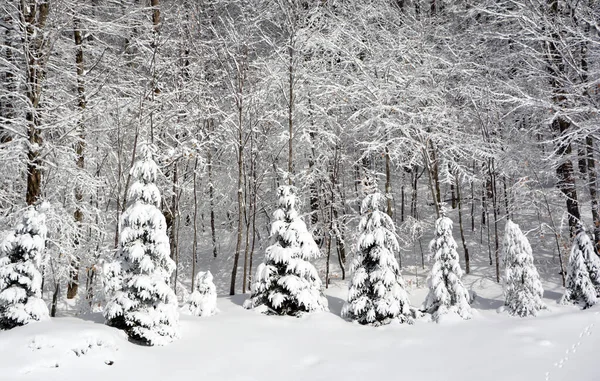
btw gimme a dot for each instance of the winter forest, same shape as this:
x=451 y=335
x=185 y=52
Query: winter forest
x=307 y=188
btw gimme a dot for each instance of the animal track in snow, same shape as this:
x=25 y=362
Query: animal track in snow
x=587 y=331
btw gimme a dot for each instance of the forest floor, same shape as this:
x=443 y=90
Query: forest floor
x=562 y=343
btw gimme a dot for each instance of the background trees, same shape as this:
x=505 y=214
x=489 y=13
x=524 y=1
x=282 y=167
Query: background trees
x=490 y=106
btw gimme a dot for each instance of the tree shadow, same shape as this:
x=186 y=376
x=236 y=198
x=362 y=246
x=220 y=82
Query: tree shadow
x=553 y=295
x=238 y=299
x=481 y=303
x=94 y=317
x=335 y=305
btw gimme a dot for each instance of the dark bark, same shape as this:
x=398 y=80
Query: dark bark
x=73 y=285
x=195 y=223
x=388 y=182
x=211 y=191
x=241 y=76
x=7 y=104
x=33 y=15
x=462 y=231
x=290 y=109
x=593 y=188
x=560 y=126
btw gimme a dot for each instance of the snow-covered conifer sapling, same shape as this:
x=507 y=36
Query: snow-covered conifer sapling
x=21 y=255
x=447 y=294
x=583 y=272
x=376 y=293
x=286 y=282
x=203 y=301
x=142 y=302
x=523 y=289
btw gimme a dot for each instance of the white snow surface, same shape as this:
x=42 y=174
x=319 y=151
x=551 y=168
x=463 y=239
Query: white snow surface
x=562 y=343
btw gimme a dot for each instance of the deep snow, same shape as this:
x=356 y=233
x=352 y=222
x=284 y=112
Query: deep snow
x=237 y=344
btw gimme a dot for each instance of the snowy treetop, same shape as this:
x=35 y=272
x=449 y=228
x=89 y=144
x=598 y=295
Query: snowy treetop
x=289 y=227
x=144 y=172
x=29 y=235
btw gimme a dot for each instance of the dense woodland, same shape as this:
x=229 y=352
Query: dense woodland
x=488 y=106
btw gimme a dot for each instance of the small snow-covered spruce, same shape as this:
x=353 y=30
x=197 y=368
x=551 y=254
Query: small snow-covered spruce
x=21 y=254
x=142 y=302
x=376 y=292
x=583 y=272
x=203 y=301
x=447 y=294
x=522 y=286
x=287 y=283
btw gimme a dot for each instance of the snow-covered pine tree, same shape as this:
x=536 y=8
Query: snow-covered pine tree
x=522 y=286
x=203 y=301
x=286 y=282
x=144 y=305
x=446 y=294
x=376 y=292
x=583 y=272
x=21 y=254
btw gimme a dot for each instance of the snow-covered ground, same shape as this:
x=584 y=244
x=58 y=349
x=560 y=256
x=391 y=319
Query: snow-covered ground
x=561 y=344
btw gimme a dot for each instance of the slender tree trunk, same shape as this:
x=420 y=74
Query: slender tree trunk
x=248 y=212
x=506 y=198
x=211 y=191
x=255 y=212
x=496 y=212
x=388 y=182
x=402 y=197
x=73 y=285
x=174 y=209
x=240 y=184
x=473 y=202
x=485 y=217
x=414 y=191
x=462 y=231
x=313 y=186
x=54 y=300
x=436 y=175
x=432 y=173
x=195 y=240
x=338 y=228
x=290 y=109
x=453 y=196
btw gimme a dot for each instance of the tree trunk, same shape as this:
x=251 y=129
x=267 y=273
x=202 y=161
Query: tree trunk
x=589 y=148
x=173 y=211
x=593 y=187
x=211 y=192
x=7 y=105
x=195 y=240
x=436 y=175
x=462 y=231
x=560 y=126
x=388 y=182
x=566 y=176
x=248 y=212
x=290 y=110
x=314 y=186
x=255 y=212
x=432 y=173
x=33 y=16
x=73 y=285
x=240 y=199
x=54 y=300
x=494 y=197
